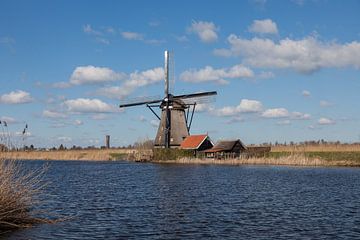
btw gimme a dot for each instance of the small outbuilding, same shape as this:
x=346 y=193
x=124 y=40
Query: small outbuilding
x=226 y=149
x=197 y=143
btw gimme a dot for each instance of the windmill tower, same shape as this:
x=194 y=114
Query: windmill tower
x=175 y=120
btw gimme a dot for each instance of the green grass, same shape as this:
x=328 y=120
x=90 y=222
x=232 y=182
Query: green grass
x=327 y=156
x=119 y=156
x=171 y=154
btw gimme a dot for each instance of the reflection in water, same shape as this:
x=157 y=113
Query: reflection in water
x=120 y=200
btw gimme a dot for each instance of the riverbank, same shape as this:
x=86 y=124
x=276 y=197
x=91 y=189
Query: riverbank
x=84 y=155
x=285 y=160
x=298 y=156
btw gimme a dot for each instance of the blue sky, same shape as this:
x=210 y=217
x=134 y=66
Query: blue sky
x=284 y=70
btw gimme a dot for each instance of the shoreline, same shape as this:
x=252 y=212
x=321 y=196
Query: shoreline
x=326 y=159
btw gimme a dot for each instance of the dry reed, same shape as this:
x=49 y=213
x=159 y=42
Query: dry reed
x=317 y=148
x=296 y=159
x=19 y=192
x=85 y=154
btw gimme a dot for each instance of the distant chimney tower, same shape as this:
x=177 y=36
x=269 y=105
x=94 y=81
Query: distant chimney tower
x=107 y=141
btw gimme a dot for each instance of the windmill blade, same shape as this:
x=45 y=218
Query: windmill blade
x=199 y=100
x=194 y=95
x=204 y=97
x=141 y=101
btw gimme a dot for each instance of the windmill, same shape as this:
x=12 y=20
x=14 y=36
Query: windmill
x=175 y=119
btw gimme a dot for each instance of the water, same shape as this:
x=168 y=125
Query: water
x=120 y=200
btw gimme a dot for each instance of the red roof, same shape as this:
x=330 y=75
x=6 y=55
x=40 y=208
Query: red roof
x=193 y=141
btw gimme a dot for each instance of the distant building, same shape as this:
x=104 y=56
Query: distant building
x=197 y=143
x=226 y=149
x=107 y=141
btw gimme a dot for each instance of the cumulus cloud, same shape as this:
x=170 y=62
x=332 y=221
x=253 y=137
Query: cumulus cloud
x=284 y=113
x=206 y=31
x=16 y=97
x=275 y=113
x=306 y=93
x=209 y=74
x=245 y=106
x=94 y=75
x=305 y=55
x=326 y=121
x=85 y=105
x=266 y=26
x=53 y=114
x=135 y=80
x=132 y=36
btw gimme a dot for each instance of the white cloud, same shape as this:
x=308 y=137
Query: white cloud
x=300 y=116
x=132 y=36
x=209 y=74
x=8 y=119
x=206 y=31
x=53 y=114
x=326 y=121
x=324 y=103
x=84 y=105
x=249 y=106
x=89 y=30
x=306 y=93
x=136 y=80
x=93 y=75
x=245 y=106
x=16 y=97
x=276 y=113
x=264 y=26
x=305 y=56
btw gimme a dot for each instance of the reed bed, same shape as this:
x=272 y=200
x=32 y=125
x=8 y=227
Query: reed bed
x=297 y=159
x=317 y=148
x=86 y=155
x=19 y=191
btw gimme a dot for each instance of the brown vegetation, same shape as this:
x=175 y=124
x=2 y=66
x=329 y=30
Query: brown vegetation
x=18 y=195
x=317 y=148
x=296 y=159
x=84 y=154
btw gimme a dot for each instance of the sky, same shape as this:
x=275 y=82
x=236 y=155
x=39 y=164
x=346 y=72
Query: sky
x=284 y=70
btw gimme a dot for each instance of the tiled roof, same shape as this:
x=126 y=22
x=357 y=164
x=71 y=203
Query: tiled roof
x=193 y=141
x=225 y=146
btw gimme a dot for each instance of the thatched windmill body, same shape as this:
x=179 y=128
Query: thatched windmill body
x=176 y=112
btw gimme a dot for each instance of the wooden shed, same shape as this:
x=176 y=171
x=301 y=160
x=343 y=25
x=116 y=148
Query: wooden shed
x=197 y=143
x=226 y=149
